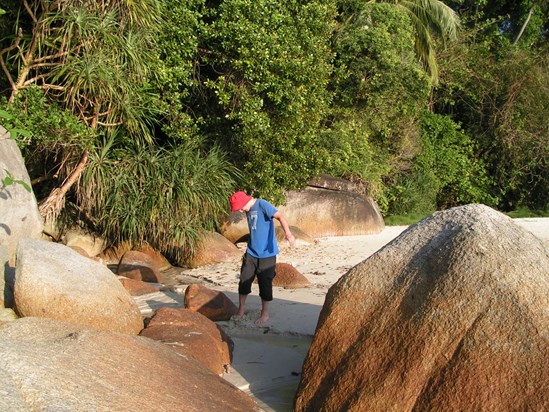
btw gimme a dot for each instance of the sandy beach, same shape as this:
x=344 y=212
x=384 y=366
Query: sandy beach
x=267 y=359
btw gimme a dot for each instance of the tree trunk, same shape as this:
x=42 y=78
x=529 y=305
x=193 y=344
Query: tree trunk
x=524 y=25
x=50 y=208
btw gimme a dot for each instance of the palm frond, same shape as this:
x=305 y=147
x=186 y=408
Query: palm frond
x=163 y=197
x=430 y=17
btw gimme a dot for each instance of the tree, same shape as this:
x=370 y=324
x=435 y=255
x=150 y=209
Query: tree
x=263 y=70
x=498 y=94
x=429 y=17
x=379 y=90
x=523 y=23
x=88 y=57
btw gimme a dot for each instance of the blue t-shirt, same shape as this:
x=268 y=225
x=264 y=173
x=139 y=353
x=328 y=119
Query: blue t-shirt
x=262 y=242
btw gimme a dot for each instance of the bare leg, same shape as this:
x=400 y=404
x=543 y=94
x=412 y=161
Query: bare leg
x=264 y=317
x=241 y=303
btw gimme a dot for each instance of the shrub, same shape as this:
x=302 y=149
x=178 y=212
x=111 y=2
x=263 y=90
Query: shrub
x=165 y=197
x=445 y=172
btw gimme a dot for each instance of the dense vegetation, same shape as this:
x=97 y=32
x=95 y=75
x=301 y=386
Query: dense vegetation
x=142 y=116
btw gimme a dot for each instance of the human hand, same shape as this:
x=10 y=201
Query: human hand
x=291 y=239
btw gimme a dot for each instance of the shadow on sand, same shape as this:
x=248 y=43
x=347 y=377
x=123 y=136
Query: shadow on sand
x=267 y=359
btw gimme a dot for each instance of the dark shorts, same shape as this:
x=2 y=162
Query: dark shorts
x=264 y=269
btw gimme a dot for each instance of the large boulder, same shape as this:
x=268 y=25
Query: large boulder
x=452 y=315
x=324 y=212
x=54 y=281
x=49 y=365
x=19 y=215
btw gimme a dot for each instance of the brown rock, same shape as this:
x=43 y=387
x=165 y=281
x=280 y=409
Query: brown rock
x=113 y=255
x=158 y=259
x=288 y=277
x=452 y=315
x=192 y=334
x=139 y=266
x=213 y=304
x=331 y=208
x=323 y=212
x=214 y=248
x=137 y=287
x=50 y=365
x=53 y=281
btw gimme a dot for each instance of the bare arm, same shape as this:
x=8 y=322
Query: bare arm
x=284 y=223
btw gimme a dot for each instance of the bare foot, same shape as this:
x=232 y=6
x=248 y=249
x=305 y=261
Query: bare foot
x=262 y=319
x=240 y=312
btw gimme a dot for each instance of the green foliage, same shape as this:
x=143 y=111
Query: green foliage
x=445 y=172
x=90 y=58
x=48 y=127
x=13 y=131
x=524 y=213
x=429 y=19
x=501 y=101
x=9 y=180
x=379 y=89
x=54 y=138
x=165 y=197
x=174 y=71
x=509 y=18
x=286 y=90
x=403 y=220
x=265 y=75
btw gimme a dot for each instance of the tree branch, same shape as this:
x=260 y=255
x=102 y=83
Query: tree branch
x=524 y=25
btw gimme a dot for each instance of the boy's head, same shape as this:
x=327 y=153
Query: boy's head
x=239 y=200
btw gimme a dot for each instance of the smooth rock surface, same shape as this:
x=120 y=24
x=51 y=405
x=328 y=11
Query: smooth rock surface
x=53 y=281
x=19 y=215
x=214 y=248
x=213 y=304
x=318 y=212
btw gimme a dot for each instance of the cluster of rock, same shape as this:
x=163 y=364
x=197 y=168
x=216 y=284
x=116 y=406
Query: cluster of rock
x=52 y=365
x=78 y=323
x=73 y=337
x=452 y=315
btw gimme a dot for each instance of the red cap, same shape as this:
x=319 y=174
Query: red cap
x=239 y=200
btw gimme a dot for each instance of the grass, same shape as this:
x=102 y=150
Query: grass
x=407 y=220
x=523 y=212
x=403 y=220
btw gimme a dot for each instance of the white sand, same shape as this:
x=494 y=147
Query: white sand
x=270 y=356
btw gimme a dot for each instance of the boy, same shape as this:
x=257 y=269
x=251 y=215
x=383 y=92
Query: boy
x=260 y=257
